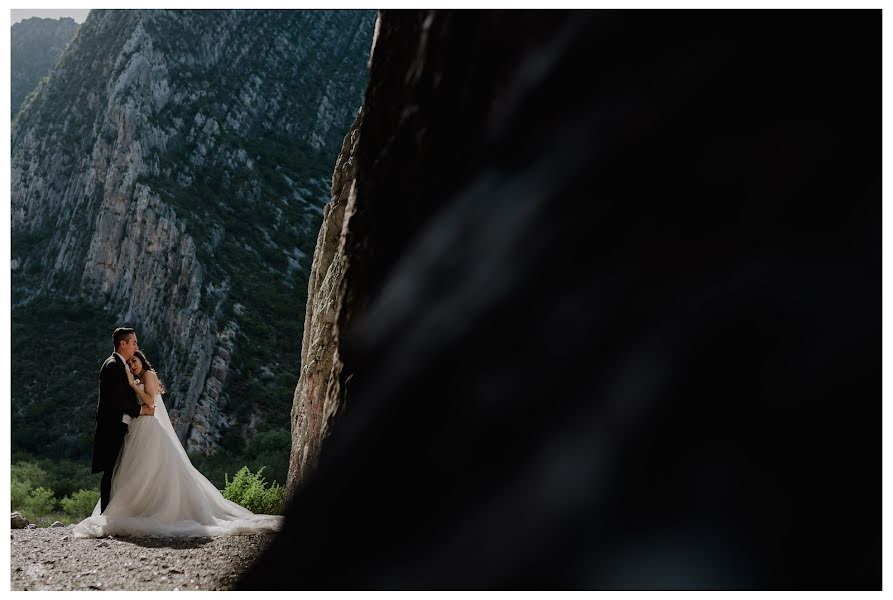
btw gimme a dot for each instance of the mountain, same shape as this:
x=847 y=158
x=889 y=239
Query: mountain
x=35 y=46
x=170 y=174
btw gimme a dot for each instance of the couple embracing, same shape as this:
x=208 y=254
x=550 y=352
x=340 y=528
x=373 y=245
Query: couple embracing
x=149 y=486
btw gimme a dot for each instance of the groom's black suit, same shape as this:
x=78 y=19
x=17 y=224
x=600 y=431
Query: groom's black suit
x=116 y=398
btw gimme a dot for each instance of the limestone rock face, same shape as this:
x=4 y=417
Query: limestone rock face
x=316 y=396
x=172 y=170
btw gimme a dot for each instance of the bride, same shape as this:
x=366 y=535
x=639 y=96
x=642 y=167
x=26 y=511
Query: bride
x=155 y=489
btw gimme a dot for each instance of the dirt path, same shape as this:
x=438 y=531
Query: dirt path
x=51 y=559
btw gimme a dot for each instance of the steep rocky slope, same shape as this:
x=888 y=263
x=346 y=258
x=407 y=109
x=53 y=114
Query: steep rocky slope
x=315 y=402
x=172 y=170
x=35 y=46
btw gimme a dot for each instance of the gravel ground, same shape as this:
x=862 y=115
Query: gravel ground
x=52 y=559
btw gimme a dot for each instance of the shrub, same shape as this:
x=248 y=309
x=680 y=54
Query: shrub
x=272 y=450
x=269 y=441
x=63 y=476
x=250 y=490
x=29 y=474
x=66 y=477
x=28 y=493
x=81 y=503
x=18 y=494
x=37 y=503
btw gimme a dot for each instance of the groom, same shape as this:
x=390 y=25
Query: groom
x=117 y=405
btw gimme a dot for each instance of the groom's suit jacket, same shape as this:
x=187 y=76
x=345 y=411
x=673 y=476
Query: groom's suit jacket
x=116 y=398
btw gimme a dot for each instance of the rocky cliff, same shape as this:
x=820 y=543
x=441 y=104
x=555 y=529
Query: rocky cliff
x=35 y=46
x=172 y=170
x=317 y=397
x=597 y=305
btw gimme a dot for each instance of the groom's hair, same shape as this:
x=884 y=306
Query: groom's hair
x=121 y=333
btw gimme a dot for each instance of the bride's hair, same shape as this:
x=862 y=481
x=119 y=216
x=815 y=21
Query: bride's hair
x=147 y=366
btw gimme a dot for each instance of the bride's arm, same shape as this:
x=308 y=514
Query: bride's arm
x=152 y=385
x=148 y=396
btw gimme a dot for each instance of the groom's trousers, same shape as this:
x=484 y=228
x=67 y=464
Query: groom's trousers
x=105 y=485
x=105 y=489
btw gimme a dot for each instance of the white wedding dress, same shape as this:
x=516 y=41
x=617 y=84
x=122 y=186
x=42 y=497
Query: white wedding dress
x=157 y=492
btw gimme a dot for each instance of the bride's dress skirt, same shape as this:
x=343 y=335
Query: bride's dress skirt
x=157 y=492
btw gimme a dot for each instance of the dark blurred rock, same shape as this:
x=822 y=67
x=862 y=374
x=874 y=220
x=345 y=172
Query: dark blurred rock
x=611 y=309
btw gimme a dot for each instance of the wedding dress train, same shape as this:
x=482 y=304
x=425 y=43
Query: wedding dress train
x=157 y=492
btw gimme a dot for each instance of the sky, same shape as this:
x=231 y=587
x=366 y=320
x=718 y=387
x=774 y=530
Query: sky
x=77 y=14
